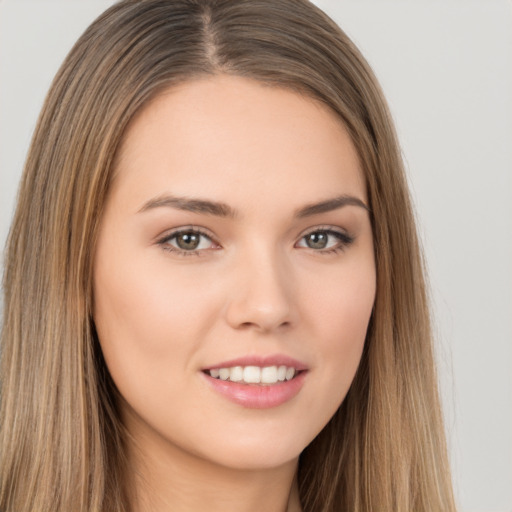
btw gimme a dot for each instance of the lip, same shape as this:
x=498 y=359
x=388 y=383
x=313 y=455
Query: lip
x=262 y=361
x=258 y=396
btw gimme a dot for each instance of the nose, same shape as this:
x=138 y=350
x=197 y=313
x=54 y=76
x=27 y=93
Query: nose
x=261 y=297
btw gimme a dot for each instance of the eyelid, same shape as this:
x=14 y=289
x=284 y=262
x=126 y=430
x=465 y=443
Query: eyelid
x=327 y=228
x=164 y=239
x=345 y=239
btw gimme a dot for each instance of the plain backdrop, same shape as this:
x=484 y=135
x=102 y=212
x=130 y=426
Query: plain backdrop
x=446 y=70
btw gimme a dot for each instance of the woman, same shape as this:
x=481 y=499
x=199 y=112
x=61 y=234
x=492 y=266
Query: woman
x=214 y=292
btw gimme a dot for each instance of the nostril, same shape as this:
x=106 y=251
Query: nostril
x=264 y=306
x=263 y=326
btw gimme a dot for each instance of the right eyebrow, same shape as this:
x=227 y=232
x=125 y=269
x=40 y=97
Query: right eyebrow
x=190 y=205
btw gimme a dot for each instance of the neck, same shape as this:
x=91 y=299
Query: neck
x=166 y=478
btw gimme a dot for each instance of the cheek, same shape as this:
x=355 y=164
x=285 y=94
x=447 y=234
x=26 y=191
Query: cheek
x=146 y=332
x=139 y=303
x=341 y=315
x=144 y=325
x=344 y=304
x=346 y=318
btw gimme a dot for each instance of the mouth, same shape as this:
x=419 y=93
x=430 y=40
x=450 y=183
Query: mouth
x=258 y=382
x=264 y=376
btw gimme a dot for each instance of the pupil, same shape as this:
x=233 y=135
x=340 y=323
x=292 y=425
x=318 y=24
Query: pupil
x=317 y=240
x=188 y=241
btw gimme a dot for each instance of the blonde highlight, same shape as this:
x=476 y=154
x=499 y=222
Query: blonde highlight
x=61 y=439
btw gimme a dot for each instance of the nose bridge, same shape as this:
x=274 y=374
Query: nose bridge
x=262 y=295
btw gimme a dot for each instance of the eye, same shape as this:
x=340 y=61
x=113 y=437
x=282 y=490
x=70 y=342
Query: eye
x=325 y=240
x=187 y=241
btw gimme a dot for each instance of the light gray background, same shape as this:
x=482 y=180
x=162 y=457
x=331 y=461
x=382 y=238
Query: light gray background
x=445 y=67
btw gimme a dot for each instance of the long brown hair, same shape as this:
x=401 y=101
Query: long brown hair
x=61 y=441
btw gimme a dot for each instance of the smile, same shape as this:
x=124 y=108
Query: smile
x=266 y=375
x=257 y=382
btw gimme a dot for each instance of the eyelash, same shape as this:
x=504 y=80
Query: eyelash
x=164 y=242
x=344 y=241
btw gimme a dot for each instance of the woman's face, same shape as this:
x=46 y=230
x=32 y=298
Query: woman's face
x=235 y=251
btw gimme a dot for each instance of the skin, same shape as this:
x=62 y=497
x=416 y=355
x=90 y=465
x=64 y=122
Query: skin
x=254 y=287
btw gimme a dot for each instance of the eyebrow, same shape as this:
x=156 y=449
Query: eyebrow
x=329 y=205
x=220 y=209
x=190 y=205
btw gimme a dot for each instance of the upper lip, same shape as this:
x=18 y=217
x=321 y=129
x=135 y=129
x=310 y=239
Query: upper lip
x=262 y=361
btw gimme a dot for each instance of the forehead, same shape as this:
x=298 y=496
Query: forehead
x=230 y=137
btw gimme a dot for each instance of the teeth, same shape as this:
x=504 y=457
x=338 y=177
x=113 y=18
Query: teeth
x=281 y=373
x=224 y=373
x=290 y=372
x=269 y=375
x=254 y=374
x=236 y=374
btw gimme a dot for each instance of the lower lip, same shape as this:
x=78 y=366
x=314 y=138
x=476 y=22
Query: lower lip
x=256 y=396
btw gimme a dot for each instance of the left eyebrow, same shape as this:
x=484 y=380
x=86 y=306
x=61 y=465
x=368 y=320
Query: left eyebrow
x=329 y=205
